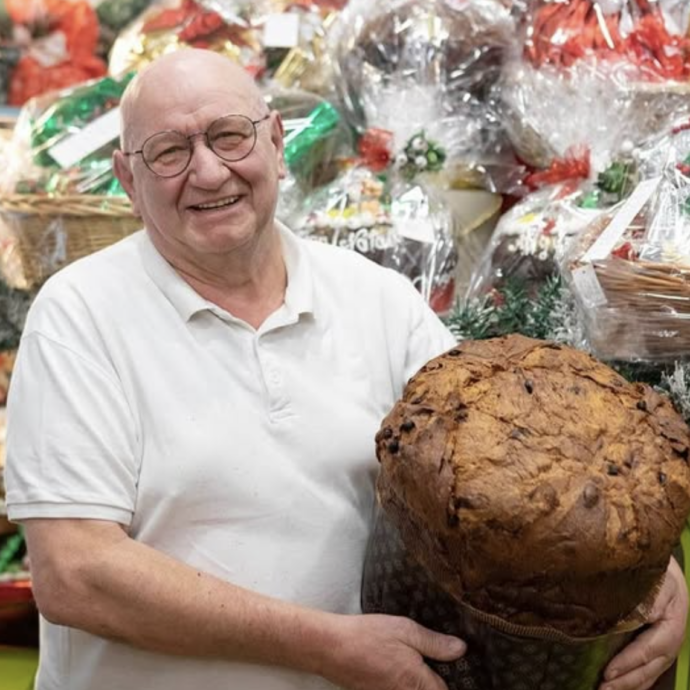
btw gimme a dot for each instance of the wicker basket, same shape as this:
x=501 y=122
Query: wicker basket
x=51 y=232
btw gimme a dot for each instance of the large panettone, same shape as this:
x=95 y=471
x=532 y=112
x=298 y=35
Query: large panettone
x=535 y=483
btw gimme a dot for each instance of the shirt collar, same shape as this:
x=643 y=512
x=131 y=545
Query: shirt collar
x=299 y=295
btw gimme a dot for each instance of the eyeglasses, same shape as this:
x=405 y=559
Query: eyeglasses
x=168 y=153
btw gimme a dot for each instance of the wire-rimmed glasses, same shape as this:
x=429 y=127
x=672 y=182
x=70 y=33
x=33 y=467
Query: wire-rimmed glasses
x=168 y=153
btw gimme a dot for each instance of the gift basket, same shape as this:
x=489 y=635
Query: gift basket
x=586 y=60
x=629 y=270
x=531 y=239
x=408 y=66
x=270 y=38
x=59 y=197
x=224 y=26
x=316 y=141
x=389 y=217
x=504 y=519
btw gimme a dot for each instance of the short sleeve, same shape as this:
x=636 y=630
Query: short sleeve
x=71 y=438
x=429 y=339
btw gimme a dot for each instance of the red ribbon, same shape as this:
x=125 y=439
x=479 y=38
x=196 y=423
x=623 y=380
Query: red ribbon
x=375 y=148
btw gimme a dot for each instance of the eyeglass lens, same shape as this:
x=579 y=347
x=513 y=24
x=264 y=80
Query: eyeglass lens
x=231 y=138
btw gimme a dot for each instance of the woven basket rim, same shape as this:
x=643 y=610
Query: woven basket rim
x=66 y=205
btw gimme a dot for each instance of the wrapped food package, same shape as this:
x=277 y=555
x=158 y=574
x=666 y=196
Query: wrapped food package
x=60 y=199
x=57 y=42
x=429 y=67
x=316 y=140
x=224 y=26
x=285 y=39
x=398 y=224
x=629 y=269
x=113 y=16
x=621 y=66
x=531 y=239
x=296 y=38
x=505 y=518
x=48 y=158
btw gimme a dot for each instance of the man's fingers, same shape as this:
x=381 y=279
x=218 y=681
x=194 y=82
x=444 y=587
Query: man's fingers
x=652 y=645
x=641 y=678
x=438 y=646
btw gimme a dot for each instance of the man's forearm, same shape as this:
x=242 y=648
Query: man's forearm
x=121 y=589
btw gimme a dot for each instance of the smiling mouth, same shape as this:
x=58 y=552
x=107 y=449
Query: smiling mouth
x=230 y=201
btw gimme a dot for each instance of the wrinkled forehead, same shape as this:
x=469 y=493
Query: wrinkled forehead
x=186 y=102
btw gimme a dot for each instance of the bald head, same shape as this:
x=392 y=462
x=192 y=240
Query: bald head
x=185 y=80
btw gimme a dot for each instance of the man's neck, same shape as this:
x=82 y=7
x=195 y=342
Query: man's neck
x=249 y=283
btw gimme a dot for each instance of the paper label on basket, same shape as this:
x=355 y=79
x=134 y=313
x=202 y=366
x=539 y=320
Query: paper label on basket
x=281 y=30
x=588 y=287
x=96 y=134
x=419 y=229
x=621 y=221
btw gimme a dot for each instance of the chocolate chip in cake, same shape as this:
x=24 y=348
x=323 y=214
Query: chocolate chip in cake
x=461 y=412
x=387 y=432
x=417 y=400
x=642 y=405
x=612 y=470
x=393 y=447
x=455 y=353
x=529 y=386
x=662 y=478
x=407 y=425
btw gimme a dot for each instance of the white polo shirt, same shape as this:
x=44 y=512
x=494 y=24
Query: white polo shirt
x=245 y=453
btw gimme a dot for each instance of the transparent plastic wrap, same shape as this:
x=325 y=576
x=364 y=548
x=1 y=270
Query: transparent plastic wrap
x=435 y=64
x=59 y=197
x=296 y=37
x=316 y=139
x=398 y=224
x=51 y=154
x=224 y=26
x=531 y=239
x=113 y=16
x=269 y=38
x=584 y=61
x=630 y=271
x=57 y=43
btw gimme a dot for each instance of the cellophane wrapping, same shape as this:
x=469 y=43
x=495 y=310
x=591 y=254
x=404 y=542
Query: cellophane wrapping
x=59 y=199
x=620 y=66
x=410 y=66
x=285 y=40
x=396 y=223
x=630 y=270
x=532 y=238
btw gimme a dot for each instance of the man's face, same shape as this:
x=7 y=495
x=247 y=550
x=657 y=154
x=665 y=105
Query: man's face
x=214 y=206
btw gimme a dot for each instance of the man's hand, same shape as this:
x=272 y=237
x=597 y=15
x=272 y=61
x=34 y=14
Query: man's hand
x=378 y=652
x=641 y=663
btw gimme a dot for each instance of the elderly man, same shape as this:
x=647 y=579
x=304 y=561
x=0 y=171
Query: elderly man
x=192 y=421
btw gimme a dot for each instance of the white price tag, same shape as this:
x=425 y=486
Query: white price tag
x=588 y=287
x=609 y=238
x=281 y=30
x=419 y=229
x=96 y=134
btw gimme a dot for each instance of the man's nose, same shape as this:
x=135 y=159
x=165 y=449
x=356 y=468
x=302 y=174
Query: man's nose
x=204 y=163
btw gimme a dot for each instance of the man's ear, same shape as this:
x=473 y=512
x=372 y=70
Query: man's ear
x=277 y=137
x=123 y=172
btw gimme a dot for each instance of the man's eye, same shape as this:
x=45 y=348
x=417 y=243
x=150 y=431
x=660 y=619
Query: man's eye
x=228 y=139
x=170 y=152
